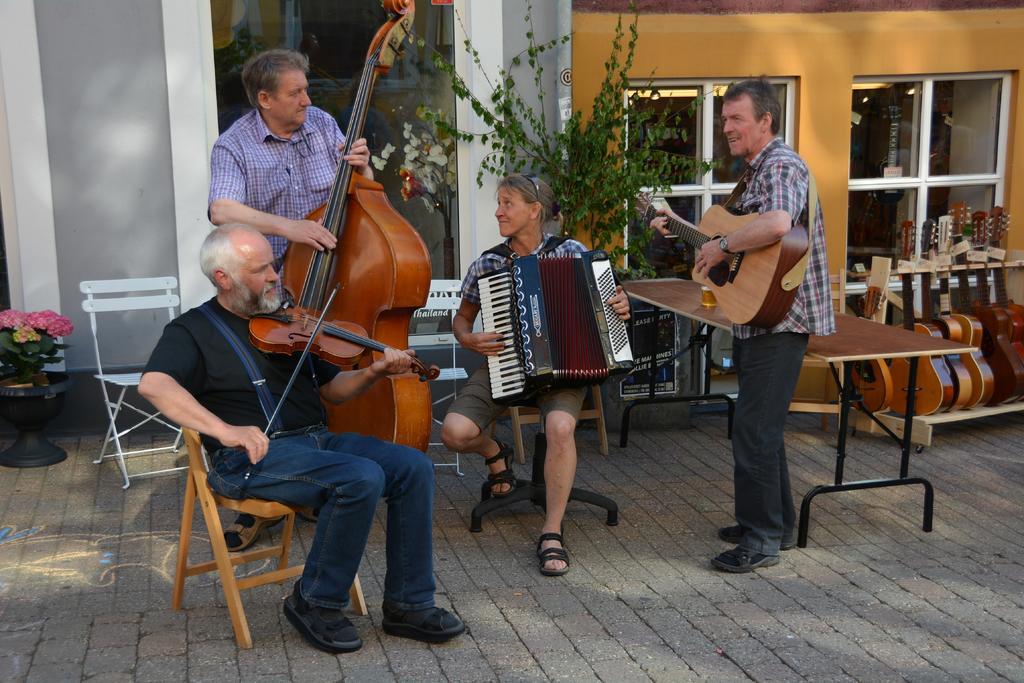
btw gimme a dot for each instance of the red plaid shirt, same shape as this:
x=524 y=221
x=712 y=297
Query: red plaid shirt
x=779 y=182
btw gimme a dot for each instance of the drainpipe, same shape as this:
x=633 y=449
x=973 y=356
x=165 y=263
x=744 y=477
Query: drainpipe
x=564 y=63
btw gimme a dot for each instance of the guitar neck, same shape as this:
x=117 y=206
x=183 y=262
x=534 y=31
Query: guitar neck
x=999 y=275
x=680 y=229
x=963 y=291
x=907 y=296
x=983 y=287
x=927 y=312
x=945 y=303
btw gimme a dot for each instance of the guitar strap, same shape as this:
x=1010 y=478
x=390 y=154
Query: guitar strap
x=551 y=242
x=795 y=275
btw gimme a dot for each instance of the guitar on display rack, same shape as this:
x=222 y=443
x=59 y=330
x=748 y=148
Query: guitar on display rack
x=963 y=327
x=872 y=377
x=957 y=370
x=934 y=384
x=755 y=287
x=1004 y=359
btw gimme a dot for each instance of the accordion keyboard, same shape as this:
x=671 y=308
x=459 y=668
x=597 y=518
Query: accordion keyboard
x=507 y=376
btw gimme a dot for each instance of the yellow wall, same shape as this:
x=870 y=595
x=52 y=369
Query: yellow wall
x=824 y=52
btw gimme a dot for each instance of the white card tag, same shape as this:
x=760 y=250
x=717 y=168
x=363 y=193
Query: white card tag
x=997 y=253
x=945 y=260
x=977 y=256
x=961 y=247
x=904 y=266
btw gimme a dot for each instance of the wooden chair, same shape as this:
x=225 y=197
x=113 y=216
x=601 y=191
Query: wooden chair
x=524 y=415
x=224 y=562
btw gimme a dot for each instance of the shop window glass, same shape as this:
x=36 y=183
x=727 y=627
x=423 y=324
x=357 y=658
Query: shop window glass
x=884 y=130
x=956 y=120
x=965 y=126
x=336 y=36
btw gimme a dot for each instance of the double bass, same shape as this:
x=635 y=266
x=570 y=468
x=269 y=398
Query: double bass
x=380 y=263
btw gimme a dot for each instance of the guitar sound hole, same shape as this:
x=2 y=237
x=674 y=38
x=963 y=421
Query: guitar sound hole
x=719 y=273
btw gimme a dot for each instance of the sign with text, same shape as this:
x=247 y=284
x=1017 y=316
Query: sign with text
x=664 y=349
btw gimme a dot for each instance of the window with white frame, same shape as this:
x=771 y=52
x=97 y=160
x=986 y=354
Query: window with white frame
x=918 y=145
x=695 y=109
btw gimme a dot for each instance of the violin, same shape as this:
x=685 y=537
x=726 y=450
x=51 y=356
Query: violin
x=339 y=343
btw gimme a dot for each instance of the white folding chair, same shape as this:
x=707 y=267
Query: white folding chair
x=445 y=296
x=96 y=302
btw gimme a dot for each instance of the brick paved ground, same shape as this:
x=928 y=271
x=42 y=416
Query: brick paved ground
x=85 y=573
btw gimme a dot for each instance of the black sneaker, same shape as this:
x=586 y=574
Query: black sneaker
x=740 y=560
x=431 y=625
x=734 y=534
x=325 y=629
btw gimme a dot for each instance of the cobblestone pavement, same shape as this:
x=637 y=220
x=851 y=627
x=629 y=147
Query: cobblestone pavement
x=85 y=576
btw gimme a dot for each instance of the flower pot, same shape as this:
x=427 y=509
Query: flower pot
x=29 y=409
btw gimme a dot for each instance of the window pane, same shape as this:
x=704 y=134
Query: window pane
x=965 y=126
x=874 y=224
x=977 y=198
x=681 y=108
x=336 y=39
x=883 y=130
x=730 y=169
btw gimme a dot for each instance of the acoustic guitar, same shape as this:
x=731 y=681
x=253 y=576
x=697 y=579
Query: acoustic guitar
x=872 y=377
x=1006 y=363
x=997 y=225
x=957 y=370
x=755 y=287
x=934 y=389
x=966 y=329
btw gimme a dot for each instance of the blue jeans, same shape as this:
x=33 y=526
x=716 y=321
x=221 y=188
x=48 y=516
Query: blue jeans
x=344 y=475
x=768 y=366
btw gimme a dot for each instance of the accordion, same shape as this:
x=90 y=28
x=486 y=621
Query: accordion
x=558 y=330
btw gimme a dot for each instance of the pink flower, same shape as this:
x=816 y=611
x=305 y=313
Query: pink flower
x=11 y=319
x=25 y=334
x=50 y=322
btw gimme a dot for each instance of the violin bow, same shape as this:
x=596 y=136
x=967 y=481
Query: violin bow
x=305 y=352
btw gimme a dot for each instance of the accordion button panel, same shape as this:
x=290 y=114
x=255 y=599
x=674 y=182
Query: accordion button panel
x=605 y=280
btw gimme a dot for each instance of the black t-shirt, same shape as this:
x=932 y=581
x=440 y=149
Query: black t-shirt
x=199 y=358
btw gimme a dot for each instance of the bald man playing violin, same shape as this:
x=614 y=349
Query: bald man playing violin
x=205 y=374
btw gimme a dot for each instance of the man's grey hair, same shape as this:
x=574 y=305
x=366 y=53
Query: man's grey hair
x=218 y=251
x=762 y=96
x=263 y=71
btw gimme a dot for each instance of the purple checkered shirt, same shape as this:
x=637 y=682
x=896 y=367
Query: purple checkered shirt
x=283 y=177
x=485 y=264
x=779 y=182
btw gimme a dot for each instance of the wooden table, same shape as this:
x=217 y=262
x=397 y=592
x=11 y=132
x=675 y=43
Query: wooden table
x=855 y=339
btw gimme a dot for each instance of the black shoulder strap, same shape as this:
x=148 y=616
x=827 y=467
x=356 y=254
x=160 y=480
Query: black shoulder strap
x=551 y=242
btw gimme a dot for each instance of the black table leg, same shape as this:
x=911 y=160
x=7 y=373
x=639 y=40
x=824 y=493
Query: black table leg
x=846 y=394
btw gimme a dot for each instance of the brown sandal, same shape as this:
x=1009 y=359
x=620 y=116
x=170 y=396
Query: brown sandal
x=504 y=477
x=240 y=535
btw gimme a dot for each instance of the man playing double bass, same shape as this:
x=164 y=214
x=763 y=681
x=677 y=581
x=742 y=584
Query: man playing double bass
x=276 y=164
x=270 y=170
x=198 y=377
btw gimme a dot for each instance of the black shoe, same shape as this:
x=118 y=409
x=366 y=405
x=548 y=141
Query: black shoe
x=431 y=625
x=734 y=534
x=740 y=560
x=325 y=629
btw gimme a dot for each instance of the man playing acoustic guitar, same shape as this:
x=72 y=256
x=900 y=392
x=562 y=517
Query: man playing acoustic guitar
x=775 y=186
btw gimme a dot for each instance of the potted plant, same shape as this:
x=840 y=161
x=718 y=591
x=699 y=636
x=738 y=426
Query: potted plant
x=30 y=396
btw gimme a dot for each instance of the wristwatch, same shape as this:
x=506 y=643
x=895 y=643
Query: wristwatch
x=723 y=244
